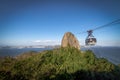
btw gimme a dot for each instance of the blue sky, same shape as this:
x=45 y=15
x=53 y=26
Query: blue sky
x=37 y=22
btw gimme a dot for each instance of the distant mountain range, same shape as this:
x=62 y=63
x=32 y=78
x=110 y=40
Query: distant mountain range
x=31 y=46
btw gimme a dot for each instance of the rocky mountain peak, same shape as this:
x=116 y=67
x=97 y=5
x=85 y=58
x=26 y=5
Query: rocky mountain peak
x=69 y=40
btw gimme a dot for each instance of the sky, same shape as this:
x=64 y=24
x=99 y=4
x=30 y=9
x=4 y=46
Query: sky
x=44 y=22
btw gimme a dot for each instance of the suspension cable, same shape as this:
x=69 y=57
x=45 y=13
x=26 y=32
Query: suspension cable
x=109 y=24
x=106 y=25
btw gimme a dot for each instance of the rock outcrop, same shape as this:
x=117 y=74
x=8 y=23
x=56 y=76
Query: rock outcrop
x=69 y=40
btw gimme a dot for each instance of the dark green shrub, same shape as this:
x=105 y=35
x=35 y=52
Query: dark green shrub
x=59 y=64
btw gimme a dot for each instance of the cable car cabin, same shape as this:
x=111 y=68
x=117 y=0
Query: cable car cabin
x=90 y=40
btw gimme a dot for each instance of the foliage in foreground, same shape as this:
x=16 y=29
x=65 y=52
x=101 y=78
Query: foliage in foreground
x=59 y=64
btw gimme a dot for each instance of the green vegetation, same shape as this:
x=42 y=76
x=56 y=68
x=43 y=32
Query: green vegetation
x=58 y=64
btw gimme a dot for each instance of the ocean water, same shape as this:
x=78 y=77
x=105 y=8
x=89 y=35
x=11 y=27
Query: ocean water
x=110 y=53
x=15 y=51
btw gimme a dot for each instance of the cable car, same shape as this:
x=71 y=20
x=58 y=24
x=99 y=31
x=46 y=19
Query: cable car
x=90 y=40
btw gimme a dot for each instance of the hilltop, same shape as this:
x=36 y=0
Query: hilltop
x=59 y=64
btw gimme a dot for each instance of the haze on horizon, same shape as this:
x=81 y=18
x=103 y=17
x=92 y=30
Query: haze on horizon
x=44 y=22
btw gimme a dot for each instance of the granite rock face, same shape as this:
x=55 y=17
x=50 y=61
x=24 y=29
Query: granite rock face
x=69 y=40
